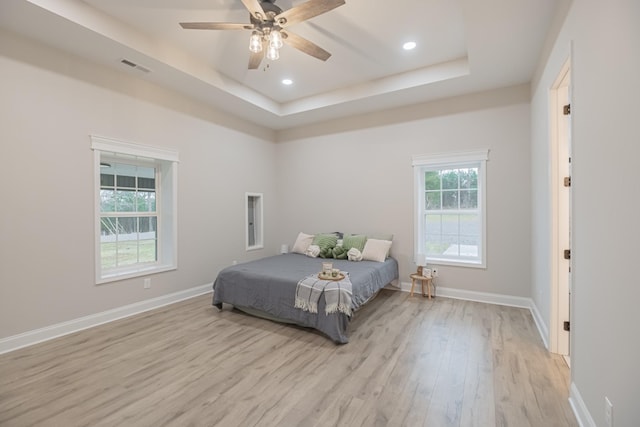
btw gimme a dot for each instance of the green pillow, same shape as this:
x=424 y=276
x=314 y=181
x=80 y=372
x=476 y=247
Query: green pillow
x=326 y=253
x=339 y=252
x=326 y=242
x=354 y=241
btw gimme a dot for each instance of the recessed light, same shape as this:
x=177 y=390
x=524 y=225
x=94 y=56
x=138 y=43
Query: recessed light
x=287 y=82
x=409 y=45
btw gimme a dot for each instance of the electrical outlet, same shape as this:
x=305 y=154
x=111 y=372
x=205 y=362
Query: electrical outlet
x=608 y=412
x=147 y=283
x=434 y=272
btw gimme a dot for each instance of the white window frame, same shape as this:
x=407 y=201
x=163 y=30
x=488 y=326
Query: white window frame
x=426 y=162
x=166 y=163
x=258 y=229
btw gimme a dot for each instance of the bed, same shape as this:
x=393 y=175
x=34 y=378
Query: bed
x=267 y=287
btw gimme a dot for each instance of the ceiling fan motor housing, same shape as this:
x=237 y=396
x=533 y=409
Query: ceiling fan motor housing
x=266 y=23
x=270 y=9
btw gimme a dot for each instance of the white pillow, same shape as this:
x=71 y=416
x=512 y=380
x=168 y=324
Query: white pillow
x=302 y=243
x=376 y=250
x=313 y=251
x=354 y=255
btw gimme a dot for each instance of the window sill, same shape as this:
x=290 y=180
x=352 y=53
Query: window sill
x=130 y=274
x=468 y=264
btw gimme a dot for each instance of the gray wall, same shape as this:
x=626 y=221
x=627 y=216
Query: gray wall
x=606 y=145
x=53 y=101
x=355 y=176
x=50 y=104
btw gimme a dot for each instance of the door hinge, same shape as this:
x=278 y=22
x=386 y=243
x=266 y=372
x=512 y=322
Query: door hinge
x=567 y=254
x=567 y=181
x=566 y=326
x=566 y=110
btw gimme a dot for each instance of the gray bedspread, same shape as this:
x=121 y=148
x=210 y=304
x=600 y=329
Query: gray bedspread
x=268 y=285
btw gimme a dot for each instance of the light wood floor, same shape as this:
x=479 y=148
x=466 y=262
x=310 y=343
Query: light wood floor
x=410 y=362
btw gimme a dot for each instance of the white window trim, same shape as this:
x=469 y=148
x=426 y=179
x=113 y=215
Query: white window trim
x=258 y=221
x=111 y=145
x=443 y=160
x=167 y=202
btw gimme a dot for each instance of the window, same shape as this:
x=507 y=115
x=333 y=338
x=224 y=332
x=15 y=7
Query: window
x=253 y=216
x=450 y=208
x=135 y=208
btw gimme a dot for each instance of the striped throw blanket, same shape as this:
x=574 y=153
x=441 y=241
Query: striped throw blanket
x=337 y=294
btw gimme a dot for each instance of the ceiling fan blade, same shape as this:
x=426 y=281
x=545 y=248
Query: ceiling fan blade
x=215 y=26
x=305 y=46
x=255 y=9
x=306 y=11
x=255 y=59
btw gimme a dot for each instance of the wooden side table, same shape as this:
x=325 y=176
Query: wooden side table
x=424 y=280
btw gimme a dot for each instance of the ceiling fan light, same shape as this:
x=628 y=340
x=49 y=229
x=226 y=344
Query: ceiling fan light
x=275 y=39
x=255 y=43
x=272 y=53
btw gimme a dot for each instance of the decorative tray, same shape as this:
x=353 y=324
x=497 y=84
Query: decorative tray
x=330 y=277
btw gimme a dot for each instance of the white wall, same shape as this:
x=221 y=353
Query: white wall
x=50 y=103
x=355 y=176
x=606 y=145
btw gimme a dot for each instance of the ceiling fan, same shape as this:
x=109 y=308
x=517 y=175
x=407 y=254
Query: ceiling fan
x=269 y=25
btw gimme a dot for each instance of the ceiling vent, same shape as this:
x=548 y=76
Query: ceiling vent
x=134 y=65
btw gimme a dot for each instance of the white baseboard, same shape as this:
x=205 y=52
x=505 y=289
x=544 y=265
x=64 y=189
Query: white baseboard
x=54 y=331
x=543 y=330
x=486 y=297
x=579 y=408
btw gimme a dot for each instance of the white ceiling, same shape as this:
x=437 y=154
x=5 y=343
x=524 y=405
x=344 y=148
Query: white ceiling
x=463 y=46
